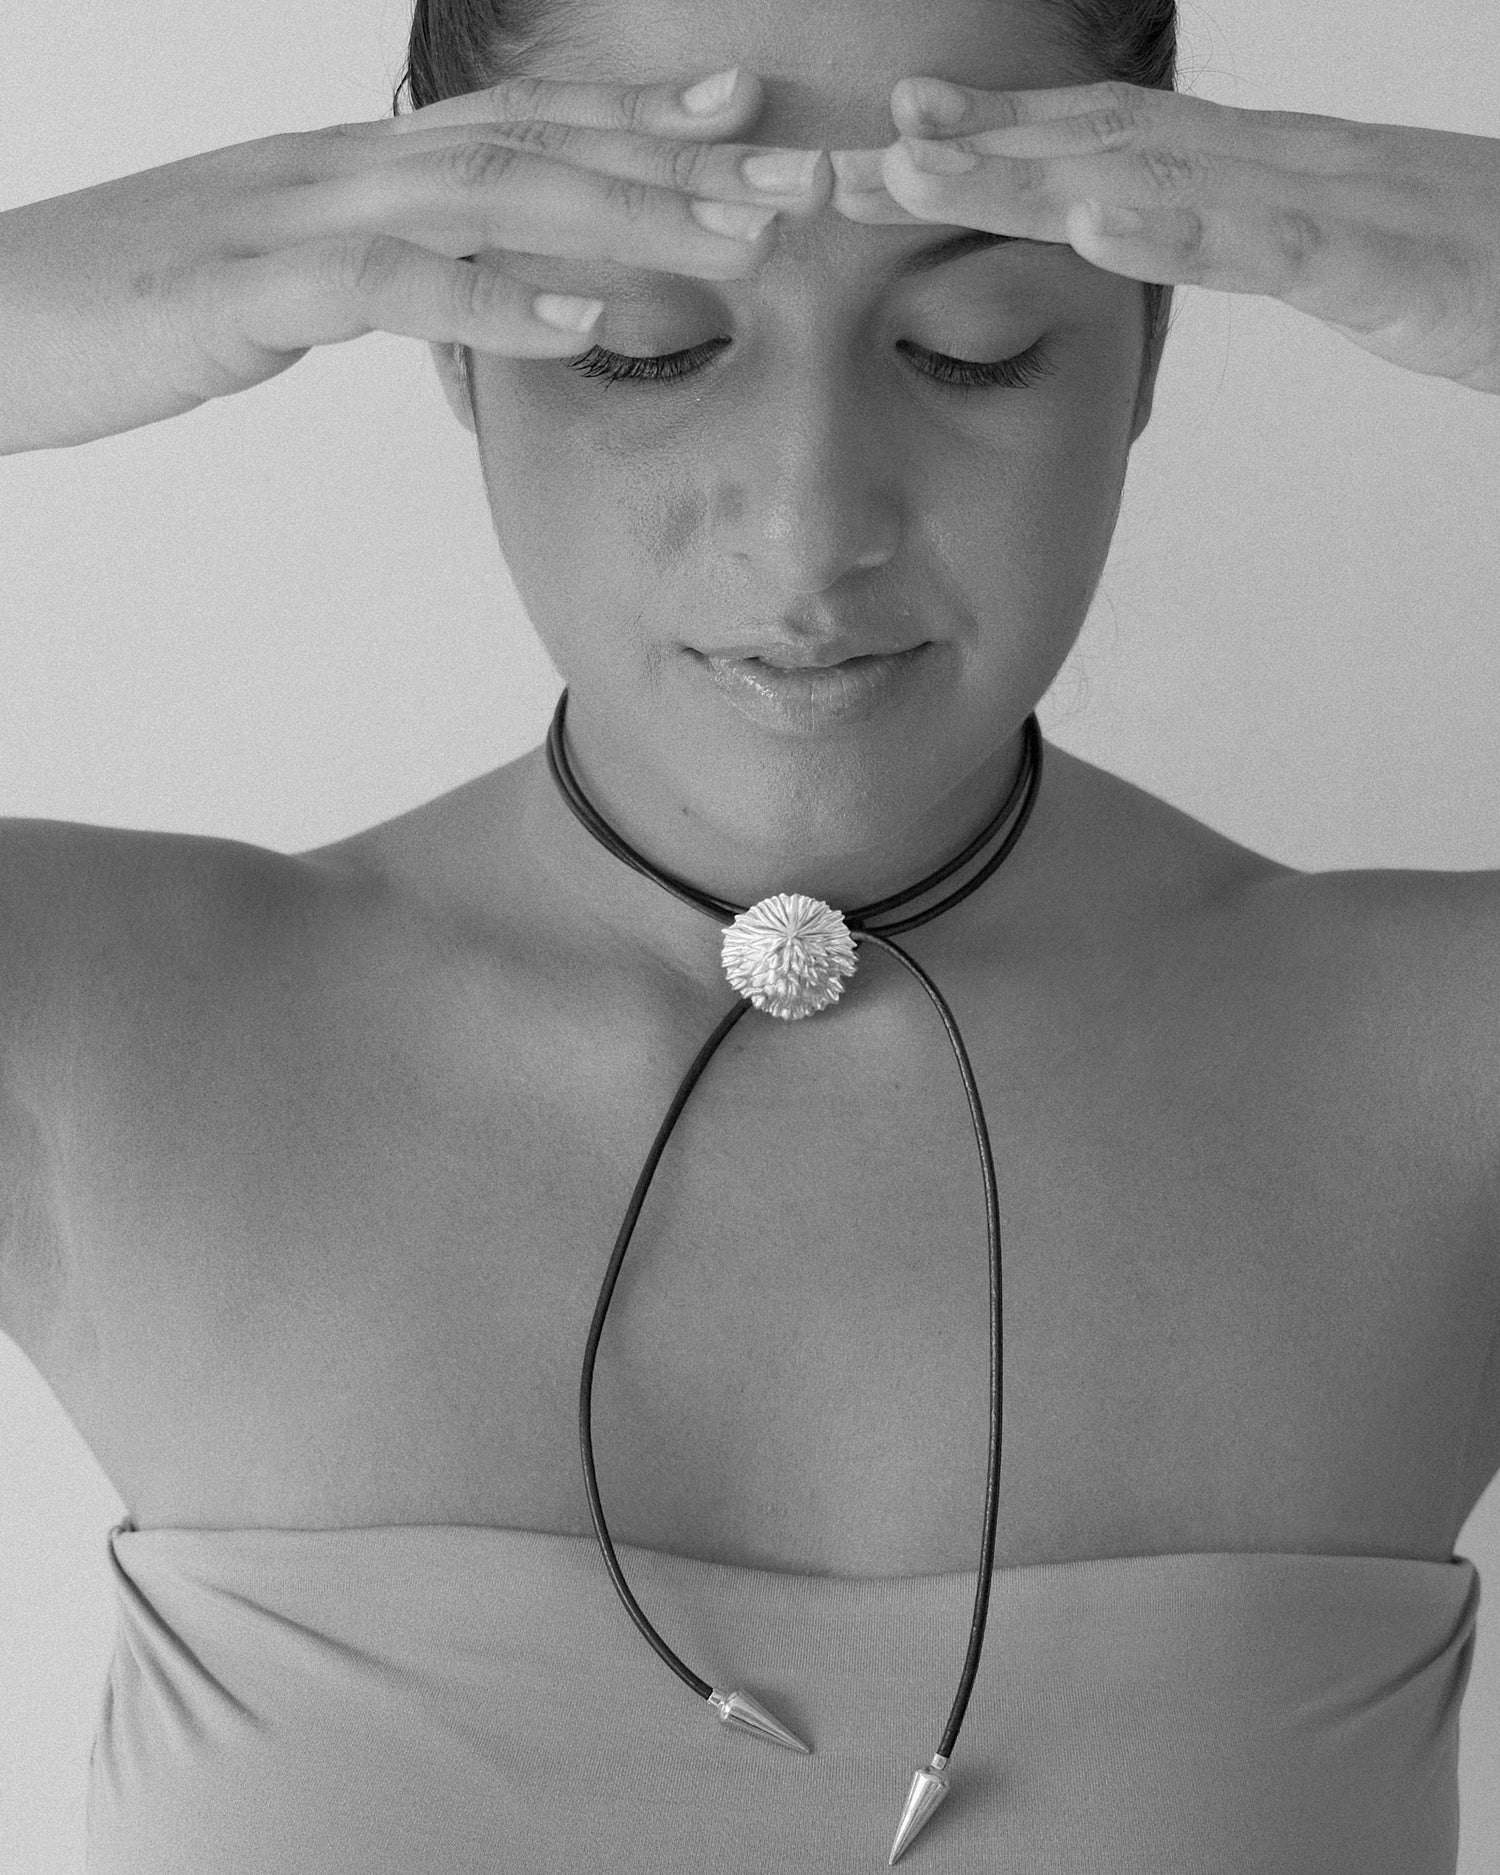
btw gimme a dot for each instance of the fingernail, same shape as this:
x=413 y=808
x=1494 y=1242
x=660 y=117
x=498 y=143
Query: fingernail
x=939 y=102
x=736 y=219
x=710 y=94
x=567 y=312
x=782 y=172
x=871 y=205
x=940 y=159
x=1109 y=220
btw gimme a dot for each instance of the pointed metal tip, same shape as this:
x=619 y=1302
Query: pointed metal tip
x=740 y=1709
x=928 y=1789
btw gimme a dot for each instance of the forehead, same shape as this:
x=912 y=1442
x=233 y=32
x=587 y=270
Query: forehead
x=828 y=65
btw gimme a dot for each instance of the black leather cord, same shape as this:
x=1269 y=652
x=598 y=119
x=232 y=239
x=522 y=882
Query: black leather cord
x=1025 y=789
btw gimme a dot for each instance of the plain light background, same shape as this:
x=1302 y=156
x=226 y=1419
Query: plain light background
x=284 y=617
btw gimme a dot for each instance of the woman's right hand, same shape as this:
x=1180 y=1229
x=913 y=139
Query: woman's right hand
x=137 y=300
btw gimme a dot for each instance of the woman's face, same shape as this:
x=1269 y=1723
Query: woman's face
x=808 y=482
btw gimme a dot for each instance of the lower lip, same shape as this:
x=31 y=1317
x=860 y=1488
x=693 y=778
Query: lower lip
x=808 y=700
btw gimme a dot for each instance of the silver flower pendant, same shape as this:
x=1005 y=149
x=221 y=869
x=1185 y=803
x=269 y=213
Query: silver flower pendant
x=789 y=954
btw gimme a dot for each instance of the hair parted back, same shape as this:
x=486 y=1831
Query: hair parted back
x=457 y=46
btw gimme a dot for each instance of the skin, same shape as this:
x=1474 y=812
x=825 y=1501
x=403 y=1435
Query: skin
x=338 y=1140
x=813 y=476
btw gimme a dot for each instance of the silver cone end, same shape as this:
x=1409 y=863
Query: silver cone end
x=928 y=1789
x=740 y=1709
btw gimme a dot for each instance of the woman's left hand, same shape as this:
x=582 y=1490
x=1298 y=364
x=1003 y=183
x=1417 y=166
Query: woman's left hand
x=1388 y=234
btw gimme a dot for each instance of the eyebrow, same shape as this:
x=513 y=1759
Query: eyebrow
x=970 y=241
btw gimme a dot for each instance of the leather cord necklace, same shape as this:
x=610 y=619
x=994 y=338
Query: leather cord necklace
x=789 y=955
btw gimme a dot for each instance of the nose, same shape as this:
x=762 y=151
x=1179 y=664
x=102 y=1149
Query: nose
x=809 y=489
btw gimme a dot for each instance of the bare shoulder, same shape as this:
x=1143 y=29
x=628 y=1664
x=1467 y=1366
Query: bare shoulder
x=1435 y=936
x=1409 y=962
x=1383 y=982
x=92 y=915
x=107 y=936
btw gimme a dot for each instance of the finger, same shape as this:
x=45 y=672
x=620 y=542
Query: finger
x=859 y=191
x=483 y=195
x=799 y=182
x=1090 y=119
x=244 y=312
x=696 y=108
x=1232 y=226
x=925 y=107
x=945 y=182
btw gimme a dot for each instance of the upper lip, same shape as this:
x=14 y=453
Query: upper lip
x=803 y=657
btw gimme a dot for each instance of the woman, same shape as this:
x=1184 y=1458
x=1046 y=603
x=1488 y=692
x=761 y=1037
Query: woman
x=320 y=1157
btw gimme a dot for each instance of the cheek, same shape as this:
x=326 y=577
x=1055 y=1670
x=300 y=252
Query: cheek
x=1041 y=491
x=570 y=489
x=666 y=516
x=1022 y=519
x=575 y=520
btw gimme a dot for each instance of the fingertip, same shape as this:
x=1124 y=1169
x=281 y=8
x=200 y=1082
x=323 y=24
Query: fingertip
x=736 y=221
x=860 y=192
x=730 y=96
x=919 y=104
x=872 y=206
x=748 y=92
x=898 y=173
x=855 y=171
x=567 y=312
x=918 y=193
x=1118 y=223
x=818 y=193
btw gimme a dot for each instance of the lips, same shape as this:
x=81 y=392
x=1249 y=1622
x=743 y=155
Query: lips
x=808 y=699
x=806 y=657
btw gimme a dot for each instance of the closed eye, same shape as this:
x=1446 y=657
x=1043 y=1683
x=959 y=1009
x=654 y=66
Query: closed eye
x=971 y=374
x=962 y=373
x=618 y=367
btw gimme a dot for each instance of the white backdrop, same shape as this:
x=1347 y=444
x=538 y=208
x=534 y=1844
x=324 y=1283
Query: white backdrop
x=284 y=617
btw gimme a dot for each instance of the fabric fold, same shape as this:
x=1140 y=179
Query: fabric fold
x=382 y=1701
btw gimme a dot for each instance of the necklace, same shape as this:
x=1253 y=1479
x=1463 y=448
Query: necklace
x=790 y=956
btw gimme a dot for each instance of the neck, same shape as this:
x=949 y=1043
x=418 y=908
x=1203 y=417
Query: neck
x=597 y=892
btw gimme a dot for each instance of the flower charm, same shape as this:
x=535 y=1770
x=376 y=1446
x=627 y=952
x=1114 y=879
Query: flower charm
x=789 y=954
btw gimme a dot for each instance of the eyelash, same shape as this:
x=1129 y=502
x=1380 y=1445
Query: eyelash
x=956 y=373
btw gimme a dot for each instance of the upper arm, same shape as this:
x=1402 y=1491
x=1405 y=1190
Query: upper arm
x=39 y=890
x=100 y=928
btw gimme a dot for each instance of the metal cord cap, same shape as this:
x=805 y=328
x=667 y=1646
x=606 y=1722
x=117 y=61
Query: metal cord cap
x=740 y=1709
x=928 y=1789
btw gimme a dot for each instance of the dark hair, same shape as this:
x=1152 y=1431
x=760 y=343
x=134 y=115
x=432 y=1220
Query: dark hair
x=1133 y=42
x=463 y=45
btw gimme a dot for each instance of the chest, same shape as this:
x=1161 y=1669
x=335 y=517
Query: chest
x=353 y=1281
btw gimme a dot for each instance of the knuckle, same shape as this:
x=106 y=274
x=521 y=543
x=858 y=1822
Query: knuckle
x=469 y=167
x=1171 y=172
x=1190 y=246
x=475 y=292
x=1112 y=124
x=626 y=198
x=1296 y=236
x=519 y=97
x=685 y=166
x=639 y=109
x=365 y=269
x=534 y=136
x=1022 y=176
x=1116 y=94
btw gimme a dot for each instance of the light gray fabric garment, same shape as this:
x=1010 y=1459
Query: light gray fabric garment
x=445 y=1700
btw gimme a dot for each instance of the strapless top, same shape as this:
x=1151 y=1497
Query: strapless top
x=451 y=1699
